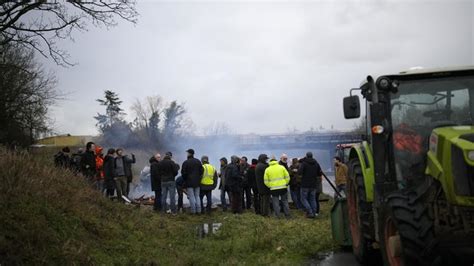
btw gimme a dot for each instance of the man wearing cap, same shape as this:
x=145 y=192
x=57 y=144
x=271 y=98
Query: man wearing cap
x=311 y=185
x=168 y=170
x=191 y=172
x=277 y=178
x=208 y=183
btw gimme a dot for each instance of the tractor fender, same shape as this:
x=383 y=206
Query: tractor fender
x=363 y=153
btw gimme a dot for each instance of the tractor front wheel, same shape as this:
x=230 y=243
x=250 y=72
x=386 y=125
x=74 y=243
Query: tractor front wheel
x=406 y=231
x=360 y=216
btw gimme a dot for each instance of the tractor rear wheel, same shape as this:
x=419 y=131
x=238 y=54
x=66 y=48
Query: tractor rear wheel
x=360 y=216
x=406 y=231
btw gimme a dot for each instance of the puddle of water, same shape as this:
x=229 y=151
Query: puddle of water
x=333 y=259
x=206 y=229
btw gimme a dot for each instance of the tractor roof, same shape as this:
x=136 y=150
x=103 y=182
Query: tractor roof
x=420 y=70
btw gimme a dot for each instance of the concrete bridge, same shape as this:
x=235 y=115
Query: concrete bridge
x=324 y=141
x=294 y=144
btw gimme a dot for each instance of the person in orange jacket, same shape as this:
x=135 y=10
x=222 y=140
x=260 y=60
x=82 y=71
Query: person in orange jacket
x=99 y=165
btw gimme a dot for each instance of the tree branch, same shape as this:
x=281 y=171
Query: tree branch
x=39 y=32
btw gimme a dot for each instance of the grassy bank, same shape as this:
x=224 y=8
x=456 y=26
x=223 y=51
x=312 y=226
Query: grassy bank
x=52 y=217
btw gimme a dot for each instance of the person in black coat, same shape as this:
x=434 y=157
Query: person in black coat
x=253 y=185
x=168 y=170
x=109 y=181
x=88 y=167
x=180 y=189
x=246 y=189
x=284 y=161
x=263 y=190
x=192 y=171
x=76 y=160
x=295 y=183
x=62 y=159
x=155 y=179
x=234 y=180
x=311 y=184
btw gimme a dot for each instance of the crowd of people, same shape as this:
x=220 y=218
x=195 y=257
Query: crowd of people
x=110 y=173
x=262 y=185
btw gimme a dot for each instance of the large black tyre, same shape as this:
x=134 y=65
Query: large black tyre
x=361 y=219
x=406 y=231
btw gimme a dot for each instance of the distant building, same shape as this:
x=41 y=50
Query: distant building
x=64 y=140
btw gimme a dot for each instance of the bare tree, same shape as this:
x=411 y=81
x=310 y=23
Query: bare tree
x=25 y=96
x=217 y=129
x=39 y=24
x=148 y=112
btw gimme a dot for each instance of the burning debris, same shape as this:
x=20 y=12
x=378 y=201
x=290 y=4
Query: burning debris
x=143 y=200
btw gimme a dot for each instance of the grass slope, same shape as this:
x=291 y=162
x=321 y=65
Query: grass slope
x=50 y=216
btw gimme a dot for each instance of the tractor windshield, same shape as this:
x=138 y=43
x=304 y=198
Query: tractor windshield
x=418 y=107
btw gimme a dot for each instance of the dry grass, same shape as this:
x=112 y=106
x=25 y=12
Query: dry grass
x=53 y=217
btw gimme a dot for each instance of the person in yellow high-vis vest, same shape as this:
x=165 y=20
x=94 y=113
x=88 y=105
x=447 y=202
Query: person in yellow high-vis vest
x=208 y=183
x=277 y=178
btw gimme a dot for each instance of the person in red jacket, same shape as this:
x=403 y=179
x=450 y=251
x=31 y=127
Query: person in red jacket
x=99 y=166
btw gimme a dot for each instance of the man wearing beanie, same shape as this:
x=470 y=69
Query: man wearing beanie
x=311 y=185
x=208 y=183
x=192 y=173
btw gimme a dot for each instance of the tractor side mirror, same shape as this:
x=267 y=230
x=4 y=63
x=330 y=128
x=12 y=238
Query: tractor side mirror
x=351 y=107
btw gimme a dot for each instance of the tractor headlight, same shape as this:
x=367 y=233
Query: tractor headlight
x=470 y=155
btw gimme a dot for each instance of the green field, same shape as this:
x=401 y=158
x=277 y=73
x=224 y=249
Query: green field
x=52 y=217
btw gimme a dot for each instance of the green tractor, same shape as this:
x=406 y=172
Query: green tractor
x=410 y=192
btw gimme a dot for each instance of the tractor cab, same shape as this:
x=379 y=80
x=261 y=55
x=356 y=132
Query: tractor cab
x=417 y=108
x=411 y=183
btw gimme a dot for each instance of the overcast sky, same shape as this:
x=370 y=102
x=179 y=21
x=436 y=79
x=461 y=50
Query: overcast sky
x=260 y=67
